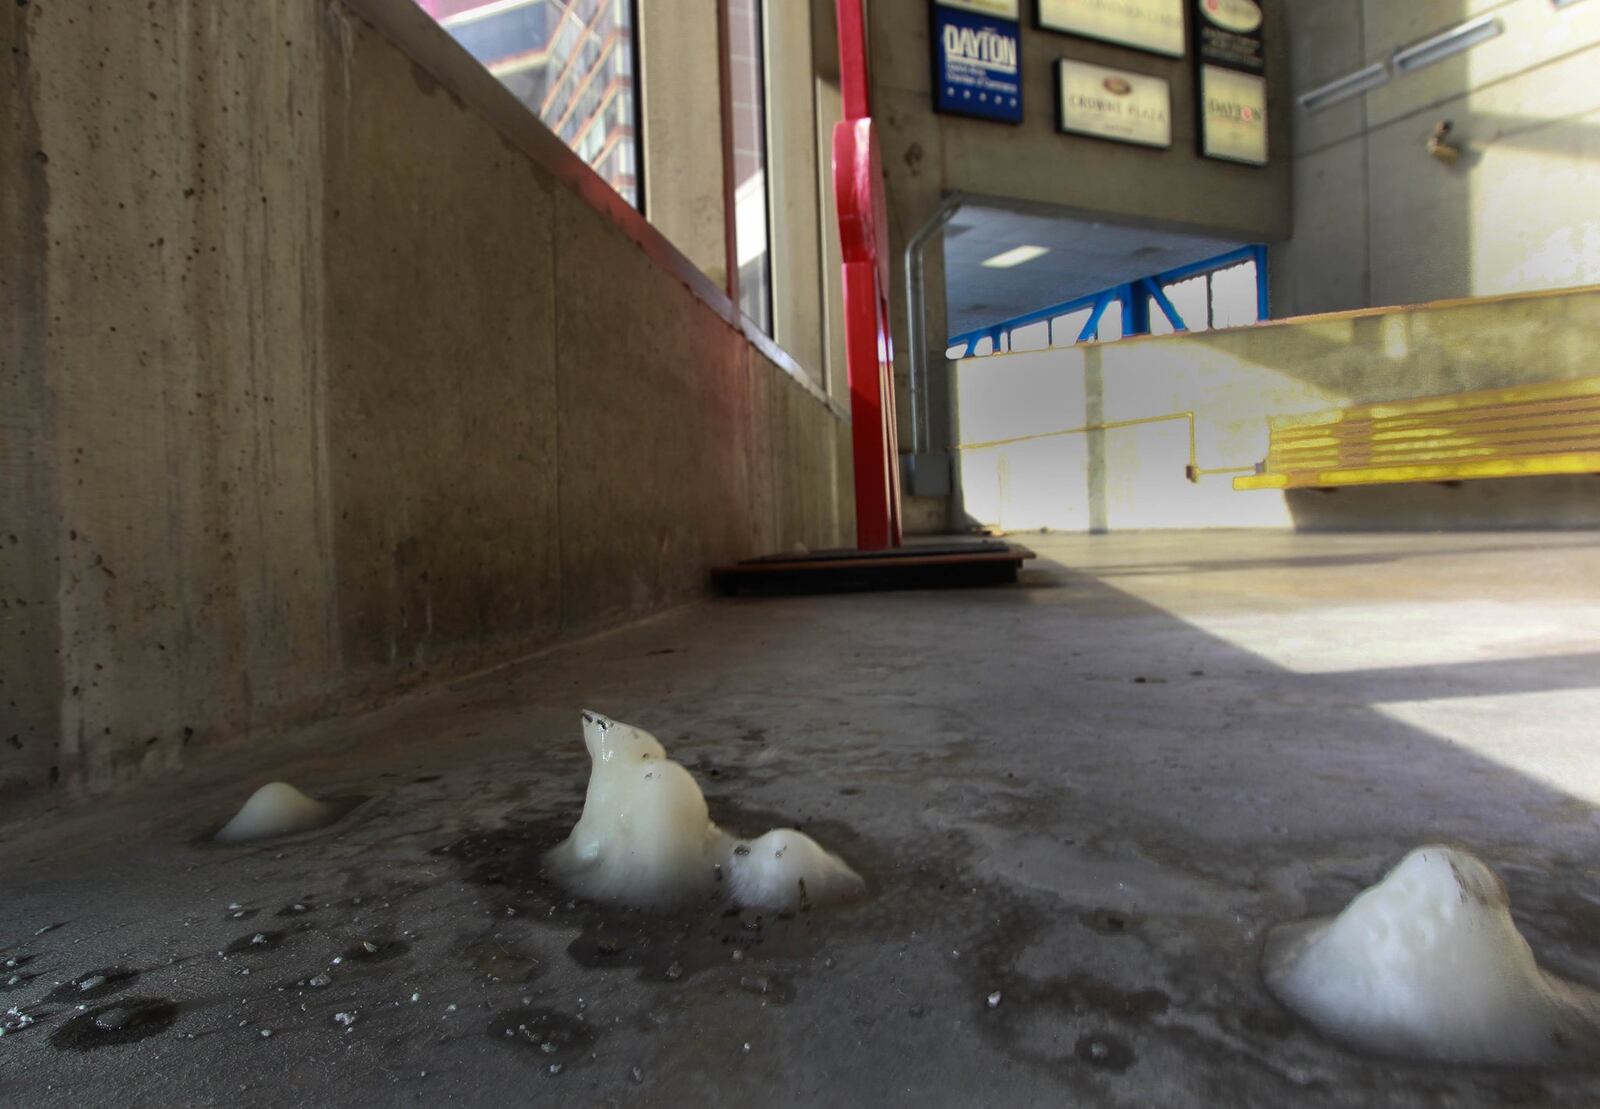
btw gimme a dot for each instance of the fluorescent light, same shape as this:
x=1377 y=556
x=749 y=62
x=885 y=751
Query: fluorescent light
x=1564 y=3
x=1436 y=48
x=1346 y=87
x=1016 y=256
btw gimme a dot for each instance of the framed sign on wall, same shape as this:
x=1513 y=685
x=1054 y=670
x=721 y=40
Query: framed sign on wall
x=1113 y=104
x=1000 y=9
x=1233 y=115
x=977 y=62
x=1228 y=32
x=1230 y=91
x=1153 y=25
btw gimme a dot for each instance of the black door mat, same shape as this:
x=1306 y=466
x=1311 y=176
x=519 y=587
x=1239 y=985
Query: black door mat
x=924 y=566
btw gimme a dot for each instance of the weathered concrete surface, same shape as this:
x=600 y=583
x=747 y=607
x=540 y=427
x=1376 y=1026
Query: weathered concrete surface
x=796 y=210
x=682 y=114
x=443 y=382
x=1233 y=382
x=179 y=304
x=30 y=682
x=324 y=375
x=1378 y=221
x=1091 y=793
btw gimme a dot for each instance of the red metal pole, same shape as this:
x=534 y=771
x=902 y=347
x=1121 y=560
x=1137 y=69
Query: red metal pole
x=869 y=344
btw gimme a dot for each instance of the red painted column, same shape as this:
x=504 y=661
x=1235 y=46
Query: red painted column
x=869 y=345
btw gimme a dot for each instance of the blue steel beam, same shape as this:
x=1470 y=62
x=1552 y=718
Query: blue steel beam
x=1098 y=302
x=1164 y=302
x=1102 y=301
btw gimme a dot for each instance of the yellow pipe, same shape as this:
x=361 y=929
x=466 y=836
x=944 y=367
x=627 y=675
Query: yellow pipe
x=1192 y=471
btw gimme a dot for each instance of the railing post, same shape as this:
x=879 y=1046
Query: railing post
x=1135 y=310
x=1263 y=285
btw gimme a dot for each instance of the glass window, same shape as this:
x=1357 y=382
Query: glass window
x=1234 y=296
x=1033 y=336
x=1066 y=329
x=570 y=62
x=1191 y=298
x=1111 y=323
x=747 y=96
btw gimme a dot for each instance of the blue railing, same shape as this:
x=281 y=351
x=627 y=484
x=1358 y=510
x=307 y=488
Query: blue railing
x=1135 y=298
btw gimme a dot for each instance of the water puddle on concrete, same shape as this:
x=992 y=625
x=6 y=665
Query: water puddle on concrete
x=94 y=984
x=661 y=946
x=555 y=1040
x=122 y=1022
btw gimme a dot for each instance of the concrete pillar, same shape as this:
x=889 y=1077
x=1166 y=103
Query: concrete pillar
x=795 y=205
x=681 y=109
x=830 y=111
x=30 y=669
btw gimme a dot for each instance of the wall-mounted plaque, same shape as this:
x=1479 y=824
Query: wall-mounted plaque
x=977 y=65
x=1113 y=104
x=1154 y=25
x=1233 y=115
x=1228 y=32
x=1000 y=9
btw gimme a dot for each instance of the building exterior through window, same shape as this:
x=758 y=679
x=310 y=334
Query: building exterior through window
x=571 y=62
x=747 y=96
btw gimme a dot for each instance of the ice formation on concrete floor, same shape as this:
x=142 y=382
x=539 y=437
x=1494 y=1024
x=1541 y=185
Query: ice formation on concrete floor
x=646 y=838
x=1428 y=964
x=786 y=870
x=276 y=809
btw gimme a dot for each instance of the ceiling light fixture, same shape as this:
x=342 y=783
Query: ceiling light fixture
x=1344 y=88
x=1436 y=48
x=1016 y=256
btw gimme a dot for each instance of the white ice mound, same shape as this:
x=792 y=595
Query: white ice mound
x=788 y=870
x=646 y=838
x=276 y=809
x=1429 y=964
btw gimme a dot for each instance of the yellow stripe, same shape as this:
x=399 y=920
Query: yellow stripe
x=1457 y=402
x=1578 y=463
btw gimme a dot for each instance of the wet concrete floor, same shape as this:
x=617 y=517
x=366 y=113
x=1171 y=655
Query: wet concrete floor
x=1080 y=802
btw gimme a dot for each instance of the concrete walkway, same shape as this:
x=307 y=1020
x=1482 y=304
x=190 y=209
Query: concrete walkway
x=1089 y=794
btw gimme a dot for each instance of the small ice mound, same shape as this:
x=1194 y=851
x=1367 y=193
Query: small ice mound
x=645 y=837
x=1428 y=964
x=786 y=870
x=276 y=809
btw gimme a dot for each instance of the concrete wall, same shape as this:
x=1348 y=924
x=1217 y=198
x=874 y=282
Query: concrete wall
x=1232 y=382
x=829 y=113
x=1379 y=222
x=796 y=203
x=333 y=371
x=927 y=156
x=682 y=120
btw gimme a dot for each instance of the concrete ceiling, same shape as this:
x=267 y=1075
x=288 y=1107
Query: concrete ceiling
x=1084 y=258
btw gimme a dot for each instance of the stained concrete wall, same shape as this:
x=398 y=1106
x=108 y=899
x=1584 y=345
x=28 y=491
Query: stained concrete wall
x=1232 y=382
x=681 y=111
x=796 y=203
x=1379 y=222
x=928 y=156
x=30 y=680
x=332 y=371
